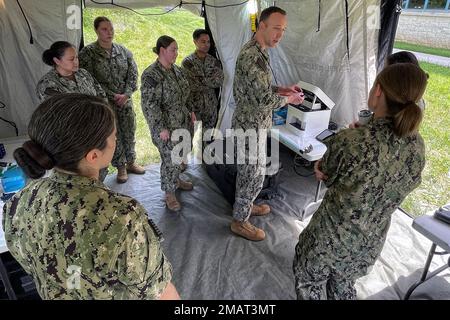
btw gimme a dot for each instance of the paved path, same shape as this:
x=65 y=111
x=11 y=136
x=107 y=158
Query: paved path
x=442 y=61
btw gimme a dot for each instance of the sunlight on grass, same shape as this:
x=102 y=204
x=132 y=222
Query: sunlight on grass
x=424 y=49
x=435 y=188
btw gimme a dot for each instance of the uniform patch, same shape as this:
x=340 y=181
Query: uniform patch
x=262 y=64
x=151 y=82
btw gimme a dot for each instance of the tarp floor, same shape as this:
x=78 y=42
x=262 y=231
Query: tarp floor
x=210 y=262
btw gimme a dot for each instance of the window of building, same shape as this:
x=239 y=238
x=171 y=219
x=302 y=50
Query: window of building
x=416 y=4
x=426 y=4
x=436 y=4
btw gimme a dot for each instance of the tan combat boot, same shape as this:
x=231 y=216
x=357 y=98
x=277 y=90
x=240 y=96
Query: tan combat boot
x=260 y=210
x=135 y=168
x=247 y=230
x=122 y=176
x=185 y=185
x=172 y=202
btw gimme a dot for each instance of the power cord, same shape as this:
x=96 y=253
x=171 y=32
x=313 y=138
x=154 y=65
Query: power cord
x=303 y=167
x=213 y=6
x=137 y=12
x=11 y=123
x=28 y=24
x=111 y=3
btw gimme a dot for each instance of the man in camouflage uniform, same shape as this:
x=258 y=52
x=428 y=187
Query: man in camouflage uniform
x=205 y=75
x=112 y=65
x=369 y=172
x=80 y=240
x=255 y=100
x=53 y=83
x=164 y=93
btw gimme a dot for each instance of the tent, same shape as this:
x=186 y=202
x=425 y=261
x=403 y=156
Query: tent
x=335 y=45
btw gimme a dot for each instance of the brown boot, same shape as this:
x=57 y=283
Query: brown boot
x=122 y=176
x=135 y=168
x=183 y=167
x=247 y=230
x=185 y=185
x=260 y=210
x=172 y=202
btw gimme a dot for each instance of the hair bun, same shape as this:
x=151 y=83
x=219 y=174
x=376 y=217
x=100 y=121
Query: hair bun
x=38 y=154
x=47 y=57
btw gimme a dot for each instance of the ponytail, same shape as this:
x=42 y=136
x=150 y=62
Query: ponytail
x=407 y=121
x=403 y=84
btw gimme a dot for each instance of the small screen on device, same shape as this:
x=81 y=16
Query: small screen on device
x=324 y=135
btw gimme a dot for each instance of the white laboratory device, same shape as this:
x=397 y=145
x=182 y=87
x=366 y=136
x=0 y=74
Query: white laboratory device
x=304 y=122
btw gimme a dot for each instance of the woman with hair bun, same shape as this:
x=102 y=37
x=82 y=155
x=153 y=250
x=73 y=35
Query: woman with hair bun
x=77 y=238
x=65 y=76
x=369 y=171
x=165 y=90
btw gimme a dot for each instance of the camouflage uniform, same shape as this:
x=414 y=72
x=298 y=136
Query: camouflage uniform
x=65 y=225
x=164 y=104
x=370 y=171
x=255 y=101
x=53 y=83
x=117 y=73
x=204 y=77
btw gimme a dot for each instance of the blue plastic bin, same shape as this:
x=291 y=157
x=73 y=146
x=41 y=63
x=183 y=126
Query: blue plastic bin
x=279 y=116
x=13 y=179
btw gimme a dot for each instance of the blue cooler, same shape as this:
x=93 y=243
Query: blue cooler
x=13 y=179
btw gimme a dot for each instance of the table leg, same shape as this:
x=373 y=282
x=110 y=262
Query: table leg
x=423 y=278
x=5 y=279
x=313 y=206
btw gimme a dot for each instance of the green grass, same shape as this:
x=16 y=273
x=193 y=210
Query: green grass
x=419 y=48
x=435 y=188
x=139 y=34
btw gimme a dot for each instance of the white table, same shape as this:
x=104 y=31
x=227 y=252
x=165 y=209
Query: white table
x=11 y=144
x=289 y=139
x=3 y=247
